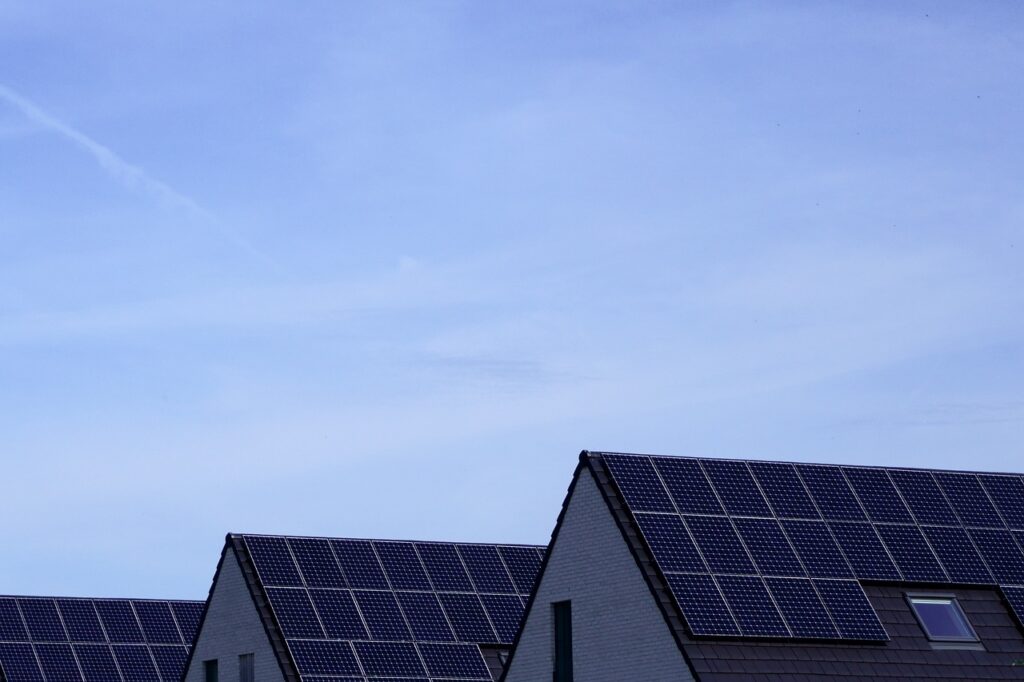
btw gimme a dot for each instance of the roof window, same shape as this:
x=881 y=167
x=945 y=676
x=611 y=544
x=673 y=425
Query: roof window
x=941 y=618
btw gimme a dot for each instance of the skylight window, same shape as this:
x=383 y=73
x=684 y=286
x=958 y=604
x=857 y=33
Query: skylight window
x=942 y=619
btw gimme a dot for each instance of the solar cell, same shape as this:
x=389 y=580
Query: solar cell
x=273 y=561
x=1008 y=494
x=505 y=612
x=389 y=659
x=850 y=610
x=831 y=493
x=702 y=605
x=294 y=612
x=12 y=628
x=864 y=551
x=878 y=495
x=486 y=569
x=1001 y=554
x=445 y=567
x=736 y=488
x=752 y=606
x=454 y=660
x=402 y=566
x=911 y=553
x=338 y=614
x=688 y=486
x=670 y=542
x=359 y=562
x=42 y=620
x=19 y=662
x=816 y=548
x=523 y=565
x=969 y=500
x=957 y=554
x=769 y=547
x=785 y=492
x=427 y=620
x=135 y=663
x=802 y=608
x=158 y=625
x=382 y=616
x=58 y=663
x=636 y=478
x=80 y=620
x=316 y=562
x=1015 y=598
x=922 y=494
x=719 y=544
x=467 y=617
x=187 y=614
x=97 y=663
x=323 y=657
x=170 y=661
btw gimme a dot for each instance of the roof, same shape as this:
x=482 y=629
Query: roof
x=358 y=608
x=70 y=639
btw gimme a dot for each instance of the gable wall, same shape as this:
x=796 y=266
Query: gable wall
x=619 y=632
x=232 y=627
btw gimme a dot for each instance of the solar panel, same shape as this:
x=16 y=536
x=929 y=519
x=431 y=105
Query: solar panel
x=187 y=614
x=911 y=553
x=274 y=562
x=467 y=617
x=769 y=547
x=669 y=540
x=816 y=548
x=426 y=619
x=359 y=562
x=389 y=659
x=831 y=493
x=718 y=542
x=12 y=629
x=878 y=495
x=523 y=565
x=294 y=612
x=753 y=607
x=316 y=562
x=402 y=565
x=850 y=610
x=957 y=554
x=1015 y=598
x=42 y=620
x=58 y=663
x=702 y=604
x=135 y=663
x=454 y=661
x=170 y=661
x=969 y=500
x=505 y=612
x=1001 y=554
x=1007 y=492
x=383 y=618
x=922 y=494
x=158 y=624
x=323 y=657
x=19 y=662
x=864 y=550
x=640 y=485
x=119 y=621
x=786 y=493
x=736 y=488
x=80 y=620
x=446 y=569
x=486 y=568
x=338 y=614
x=688 y=486
x=802 y=608
x=97 y=663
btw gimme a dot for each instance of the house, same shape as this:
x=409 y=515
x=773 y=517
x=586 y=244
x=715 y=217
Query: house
x=56 y=639
x=291 y=608
x=670 y=568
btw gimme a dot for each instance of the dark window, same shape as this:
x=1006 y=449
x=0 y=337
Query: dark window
x=210 y=670
x=563 y=641
x=246 y=668
x=942 y=619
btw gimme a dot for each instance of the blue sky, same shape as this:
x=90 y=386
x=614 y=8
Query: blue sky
x=384 y=269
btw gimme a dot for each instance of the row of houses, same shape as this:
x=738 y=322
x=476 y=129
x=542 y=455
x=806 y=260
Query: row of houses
x=658 y=569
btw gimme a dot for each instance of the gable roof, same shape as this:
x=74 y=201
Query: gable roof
x=95 y=640
x=358 y=609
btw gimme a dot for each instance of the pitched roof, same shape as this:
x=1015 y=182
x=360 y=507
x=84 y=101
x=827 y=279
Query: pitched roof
x=358 y=609
x=95 y=640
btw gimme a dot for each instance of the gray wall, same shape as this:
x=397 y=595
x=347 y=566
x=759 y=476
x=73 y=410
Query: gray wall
x=233 y=627
x=619 y=632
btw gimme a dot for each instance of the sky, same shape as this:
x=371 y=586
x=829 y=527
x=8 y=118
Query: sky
x=383 y=269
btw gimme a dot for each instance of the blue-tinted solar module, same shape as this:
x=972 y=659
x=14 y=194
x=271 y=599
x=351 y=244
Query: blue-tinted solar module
x=294 y=612
x=640 y=485
x=850 y=609
x=187 y=614
x=43 y=622
x=719 y=544
x=668 y=539
x=1008 y=494
x=802 y=608
x=119 y=621
x=486 y=568
x=157 y=622
x=12 y=628
x=877 y=494
x=389 y=659
x=1001 y=554
x=736 y=488
x=319 y=657
x=785 y=491
x=382 y=615
x=1015 y=597
x=316 y=562
x=338 y=614
x=359 y=562
x=816 y=548
x=427 y=620
x=688 y=486
x=753 y=607
x=273 y=561
x=402 y=566
x=922 y=494
x=170 y=661
x=445 y=567
x=911 y=553
x=80 y=620
x=523 y=565
x=957 y=554
x=454 y=661
x=768 y=546
x=864 y=551
x=969 y=499
x=58 y=663
x=19 y=662
x=505 y=611
x=702 y=604
x=467 y=617
x=135 y=663
x=831 y=493
x=97 y=663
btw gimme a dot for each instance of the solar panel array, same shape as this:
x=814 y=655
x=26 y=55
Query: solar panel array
x=44 y=639
x=767 y=549
x=367 y=609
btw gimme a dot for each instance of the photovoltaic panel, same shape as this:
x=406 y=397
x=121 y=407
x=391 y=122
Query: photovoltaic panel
x=957 y=555
x=878 y=495
x=42 y=620
x=736 y=488
x=467 y=617
x=969 y=500
x=426 y=619
x=402 y=566
x=80 y=620
x=97 y=663
x=769 y=547
x=323 y=657
x=669 y=540
x=58 y=663
x=850 y=610
x=505 y=612
x=274 y=561
x=338 y=614
x=359 y=562
x=486 y=569
x=922 y=494
x=864 y=550
x=523 y=565
x=135 y=663
x=316 y=562
x=389 y=659
x=12 y=628
x=784 y=490
x=382 y=616
x=119 y=621
x=702 y=604
x=911 y=553
x=816 y=548
x=753 y=607
x=688 y=486
x=170 y=661
x=187 y=614
x=454 y=661
x=718 y=542
x=802 y=608
x=158 y=625
x=1001 y=554
x=1008 y=494
x=445 y=567
x=831 y=493
x=294 y=612
x=19 y=662
x=640 y=485
x=1015 y=598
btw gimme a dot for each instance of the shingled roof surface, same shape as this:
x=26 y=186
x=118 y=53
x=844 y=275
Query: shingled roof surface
x=903 y=651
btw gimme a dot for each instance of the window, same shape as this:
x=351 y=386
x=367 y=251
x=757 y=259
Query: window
x=246 y=668
x=941 y=618
x=563 y=641
x=210 y=670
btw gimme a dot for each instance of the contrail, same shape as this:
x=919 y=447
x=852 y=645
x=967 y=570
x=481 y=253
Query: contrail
x=127 y=174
